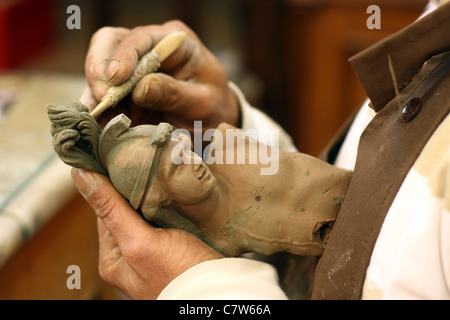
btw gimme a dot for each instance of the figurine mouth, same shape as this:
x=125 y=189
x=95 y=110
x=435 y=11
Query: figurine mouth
x=206 y=178
x=202 y=174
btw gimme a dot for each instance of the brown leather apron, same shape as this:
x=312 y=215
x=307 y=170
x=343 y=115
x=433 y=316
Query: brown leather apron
x=389 y=145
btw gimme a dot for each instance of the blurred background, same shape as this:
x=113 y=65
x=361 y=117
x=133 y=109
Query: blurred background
x=289 y=57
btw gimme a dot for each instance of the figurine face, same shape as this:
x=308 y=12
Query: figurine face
x=189 y=182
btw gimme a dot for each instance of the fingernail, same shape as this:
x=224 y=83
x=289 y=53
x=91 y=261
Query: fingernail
x=152 y=85
x=84 y=181
x=112 y=68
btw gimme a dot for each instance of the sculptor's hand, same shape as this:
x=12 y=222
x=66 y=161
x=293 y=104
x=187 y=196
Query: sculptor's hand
x=191 y=85
x=137 y=258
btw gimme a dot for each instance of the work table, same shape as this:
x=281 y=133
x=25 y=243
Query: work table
x=45 y=225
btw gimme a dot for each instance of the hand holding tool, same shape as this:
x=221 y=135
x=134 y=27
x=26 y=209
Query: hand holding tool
x=150 y=62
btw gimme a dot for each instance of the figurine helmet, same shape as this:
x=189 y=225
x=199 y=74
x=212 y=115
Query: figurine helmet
x=128 y=154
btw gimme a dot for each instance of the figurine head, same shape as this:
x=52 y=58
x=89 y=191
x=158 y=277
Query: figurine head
x=140 y=164
x=128 y=154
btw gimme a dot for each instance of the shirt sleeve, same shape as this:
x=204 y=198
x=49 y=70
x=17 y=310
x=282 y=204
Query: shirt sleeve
x=226 y=279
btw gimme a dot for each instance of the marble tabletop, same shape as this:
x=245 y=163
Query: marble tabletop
x=34 y=183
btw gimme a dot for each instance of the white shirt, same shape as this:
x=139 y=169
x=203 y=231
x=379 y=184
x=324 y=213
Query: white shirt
x=411 y=257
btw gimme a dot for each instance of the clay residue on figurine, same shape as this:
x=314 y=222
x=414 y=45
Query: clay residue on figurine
x=232 y=207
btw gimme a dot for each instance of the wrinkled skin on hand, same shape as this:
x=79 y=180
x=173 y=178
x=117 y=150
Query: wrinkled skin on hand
x=190 y=85
x=135 y=257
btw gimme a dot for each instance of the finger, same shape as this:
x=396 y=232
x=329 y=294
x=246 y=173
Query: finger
x=109 y=250
x=110 y=206
x=164 y=93
x=101 y=49
x=140 y=41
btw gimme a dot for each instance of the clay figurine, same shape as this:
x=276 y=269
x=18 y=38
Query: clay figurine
x=232 y=207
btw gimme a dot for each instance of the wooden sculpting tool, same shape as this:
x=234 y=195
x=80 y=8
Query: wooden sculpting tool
x=150 y=62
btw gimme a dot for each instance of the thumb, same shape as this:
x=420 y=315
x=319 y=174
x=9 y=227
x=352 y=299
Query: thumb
x=161 y=92
x=109 y=205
